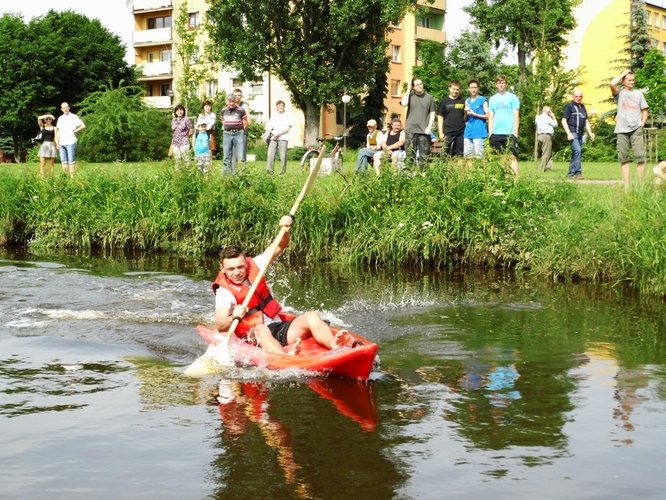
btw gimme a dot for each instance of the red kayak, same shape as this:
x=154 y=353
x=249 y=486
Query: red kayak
x=354 y=360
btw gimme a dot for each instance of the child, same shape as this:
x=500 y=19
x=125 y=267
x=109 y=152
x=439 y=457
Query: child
x=202 y=152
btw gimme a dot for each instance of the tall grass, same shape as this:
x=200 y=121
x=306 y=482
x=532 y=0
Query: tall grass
x=453 y=215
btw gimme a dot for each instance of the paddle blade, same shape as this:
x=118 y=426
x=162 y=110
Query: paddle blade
x=214 y=360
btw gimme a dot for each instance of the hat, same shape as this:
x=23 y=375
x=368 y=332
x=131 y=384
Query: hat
x=372 y=123
x=48 y=115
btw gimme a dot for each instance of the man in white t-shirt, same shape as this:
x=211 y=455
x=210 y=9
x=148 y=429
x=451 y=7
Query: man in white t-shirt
x=67 y=126
x=278 y=137
x=260 y=322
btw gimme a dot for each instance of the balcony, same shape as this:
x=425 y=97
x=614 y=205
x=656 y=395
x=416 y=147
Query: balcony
x=430 y=34
x=161 y=102
x=151 y=5
x=439 y=5
x=156 y=69
x=157 y=36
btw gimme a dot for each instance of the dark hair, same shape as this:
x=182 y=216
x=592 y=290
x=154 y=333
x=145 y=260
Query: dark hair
x=206 y=103
x=473 y=80
x=455 y=82
x=179 y=106
x=501 y=78
x=396 y=119
x=231 y=252
x=414 y=78
x=238 y=90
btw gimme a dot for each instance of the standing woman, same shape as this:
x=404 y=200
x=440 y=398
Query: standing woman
x=182 y=130
x=208 y=117
x=47 y=151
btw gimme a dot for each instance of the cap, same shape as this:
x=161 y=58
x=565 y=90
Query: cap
x=372 y=123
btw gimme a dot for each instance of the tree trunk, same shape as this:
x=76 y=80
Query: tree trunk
x=312 y=114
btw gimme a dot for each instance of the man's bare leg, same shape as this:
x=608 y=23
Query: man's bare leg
x=310 y=324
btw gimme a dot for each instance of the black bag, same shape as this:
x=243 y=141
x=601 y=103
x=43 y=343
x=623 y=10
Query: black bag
x=39 y=137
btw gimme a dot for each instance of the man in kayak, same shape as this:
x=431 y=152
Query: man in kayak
x=259 y=322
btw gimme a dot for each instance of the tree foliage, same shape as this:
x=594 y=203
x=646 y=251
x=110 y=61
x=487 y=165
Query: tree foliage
x=120 y=127
x=652 y=78
x=61 y=56
x=469 y=56
x=318 y=48
x=525 y=25
x=638 y=39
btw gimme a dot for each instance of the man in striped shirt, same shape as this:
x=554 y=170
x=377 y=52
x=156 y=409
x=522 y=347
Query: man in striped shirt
x=234 y=122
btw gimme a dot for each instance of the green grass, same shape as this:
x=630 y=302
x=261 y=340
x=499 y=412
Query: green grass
x=451 y=216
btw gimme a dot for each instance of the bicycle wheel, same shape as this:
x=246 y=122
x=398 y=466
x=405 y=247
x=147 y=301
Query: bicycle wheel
x=305 y=160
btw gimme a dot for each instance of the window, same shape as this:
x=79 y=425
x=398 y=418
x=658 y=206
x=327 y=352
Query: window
x=149 y=57
x=165 y=88
x=165 y=55
x=236 y=83
x=257 y=88
x=155 y=23
x=663 y=22
x=423 y=22
x=149 y=90
x=395 y=87
x=193 y=20
x=211 y=88
x=395 y=53
x=656 y=20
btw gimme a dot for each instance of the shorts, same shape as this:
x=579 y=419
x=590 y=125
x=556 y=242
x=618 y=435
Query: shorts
x=634 y=141
x=501 y=143
x=279 y=331
x=68 y=153
x=474 y=148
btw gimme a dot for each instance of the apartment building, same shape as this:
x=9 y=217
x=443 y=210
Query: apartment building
x=155 y=41
x=599 y=40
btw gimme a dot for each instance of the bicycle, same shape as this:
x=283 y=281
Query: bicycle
x=331 y=163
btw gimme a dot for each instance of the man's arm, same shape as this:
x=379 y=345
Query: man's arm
x=266 y=257
x=616 y=81
x=404 y=102
x=644 y=116
x=440 y=126
x=491 y=116
x=588 y=127
x=516 y=121
x=431 y=122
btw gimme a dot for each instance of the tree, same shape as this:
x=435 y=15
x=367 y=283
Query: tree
x=318 y=48
x=638 y=39
x=652 y=78
x=469 y=56
x=525 y=25
x=119 y=126
x=62 y=56
x=192 y=75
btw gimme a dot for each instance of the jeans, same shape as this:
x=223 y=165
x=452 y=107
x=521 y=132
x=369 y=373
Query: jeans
x=576 y=155
x=242 y=156
x=274 y=147
x=362 y=159
x=418 y=148
x=232 y=144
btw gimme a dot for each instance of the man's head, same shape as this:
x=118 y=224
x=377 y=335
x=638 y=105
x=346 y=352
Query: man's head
x=577 y=95
x=64 y=107
x=396 y=125
x=545 y=110
x=629 y=80
x=372 y=125
x=417 y=86
x=279 y=105
x=238 y=95
x=501 y=83
x=231 y=101
x=454 y=89
x=233 y=264
x=473 y=87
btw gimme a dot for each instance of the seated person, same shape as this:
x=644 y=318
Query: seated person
x=392 y=144
x=371 y=147
x=259 y=322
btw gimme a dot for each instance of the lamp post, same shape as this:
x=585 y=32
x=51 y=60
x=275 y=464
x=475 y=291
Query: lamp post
x=345 y=100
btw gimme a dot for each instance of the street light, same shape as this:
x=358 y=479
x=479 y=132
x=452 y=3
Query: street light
x=345 y=100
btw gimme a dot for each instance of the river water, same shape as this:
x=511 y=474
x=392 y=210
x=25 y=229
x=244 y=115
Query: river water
x=489 y=385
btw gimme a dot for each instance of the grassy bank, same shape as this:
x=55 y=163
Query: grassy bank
x=451 y=216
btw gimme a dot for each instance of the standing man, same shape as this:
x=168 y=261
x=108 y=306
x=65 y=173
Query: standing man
x=632 y=113
x=575 y=123
x=504 y=121
x=451 y=121
x=545 y=125
x=278 y=134
x=67 y=126
x=476 y=127
x=238 y=95
x=420 y=119
x=234 y=122
x=372 y=146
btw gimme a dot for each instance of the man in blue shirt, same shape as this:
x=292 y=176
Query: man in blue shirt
x=504 y=120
